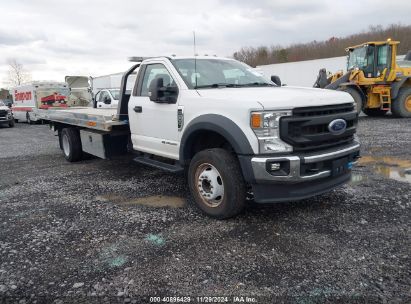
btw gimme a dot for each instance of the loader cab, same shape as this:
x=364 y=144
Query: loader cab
x=370 y=58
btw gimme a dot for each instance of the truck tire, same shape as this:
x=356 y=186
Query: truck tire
x=216 y=183
x=60 y=139
x=28 y=119
x=356 y=96
x=401 y=107
x=375 y=112
x=11 y=123
x=71 y=143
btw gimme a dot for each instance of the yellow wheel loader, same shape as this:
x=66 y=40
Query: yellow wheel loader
x=374 y=78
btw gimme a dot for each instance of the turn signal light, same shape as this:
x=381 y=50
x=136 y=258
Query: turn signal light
x=256 y=120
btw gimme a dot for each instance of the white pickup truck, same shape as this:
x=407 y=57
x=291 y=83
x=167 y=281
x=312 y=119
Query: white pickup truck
x=234 y=131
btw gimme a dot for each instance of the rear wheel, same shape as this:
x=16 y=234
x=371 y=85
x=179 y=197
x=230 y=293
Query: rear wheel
x=356 y=96
x=401 y=107
x=375 y=112
x=216 y=183
x=60 y=139
x=71 y=144
x=28 y=118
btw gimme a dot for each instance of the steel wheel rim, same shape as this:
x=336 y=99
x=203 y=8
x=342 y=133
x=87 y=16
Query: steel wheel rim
x=209 y=185
x=66 y=145
x=408 y=104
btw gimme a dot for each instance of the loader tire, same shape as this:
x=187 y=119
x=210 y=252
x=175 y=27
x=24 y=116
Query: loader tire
x=375 y=112
x=401 y=106
x=71 y=142
x=356 y=96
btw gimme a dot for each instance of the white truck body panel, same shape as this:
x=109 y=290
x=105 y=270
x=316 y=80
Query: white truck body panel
x=236 y=104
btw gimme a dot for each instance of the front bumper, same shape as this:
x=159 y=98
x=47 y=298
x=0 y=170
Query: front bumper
x=6 y=119
x=259 y=165
x=301 y=176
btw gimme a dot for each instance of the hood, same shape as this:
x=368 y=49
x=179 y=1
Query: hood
x=4 y=108
x=279 y=97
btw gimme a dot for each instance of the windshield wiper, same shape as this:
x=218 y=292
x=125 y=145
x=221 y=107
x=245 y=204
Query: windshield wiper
x=215 y=85
x=256 y=84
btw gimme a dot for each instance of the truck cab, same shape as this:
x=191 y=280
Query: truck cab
x=107 y=98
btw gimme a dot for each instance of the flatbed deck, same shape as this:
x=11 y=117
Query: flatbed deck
x=90 y=118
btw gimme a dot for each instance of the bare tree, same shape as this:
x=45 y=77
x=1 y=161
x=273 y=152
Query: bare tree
x=17 y=73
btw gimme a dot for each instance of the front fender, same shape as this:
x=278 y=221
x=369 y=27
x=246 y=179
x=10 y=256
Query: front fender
x=220 y=125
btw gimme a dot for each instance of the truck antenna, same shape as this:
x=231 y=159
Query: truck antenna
x=195 y=57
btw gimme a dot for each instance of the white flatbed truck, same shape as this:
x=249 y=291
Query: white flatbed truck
x=234 y=131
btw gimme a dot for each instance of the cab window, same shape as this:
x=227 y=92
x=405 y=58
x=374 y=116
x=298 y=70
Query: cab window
x=103 y=96
x=382 y=60
x=153 y=71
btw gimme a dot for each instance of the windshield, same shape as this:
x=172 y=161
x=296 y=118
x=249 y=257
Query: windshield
x=213 y=73
x=115 y=94
x=357 y=58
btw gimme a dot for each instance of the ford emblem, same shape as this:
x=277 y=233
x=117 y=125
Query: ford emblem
x=337 y=126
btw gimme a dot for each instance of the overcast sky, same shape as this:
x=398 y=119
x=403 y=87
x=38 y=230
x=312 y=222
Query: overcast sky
x=54 y=38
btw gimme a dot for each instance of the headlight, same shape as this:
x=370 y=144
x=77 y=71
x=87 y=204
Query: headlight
x=266 y=127
x=355 y=106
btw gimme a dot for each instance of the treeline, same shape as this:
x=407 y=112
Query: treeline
x=332 y=47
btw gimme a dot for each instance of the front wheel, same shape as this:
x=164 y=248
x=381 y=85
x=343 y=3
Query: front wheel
x=216 y=183
x=11 y=123
x=401 y=107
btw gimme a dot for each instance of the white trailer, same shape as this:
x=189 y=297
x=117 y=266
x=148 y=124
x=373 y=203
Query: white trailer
x=30 y=97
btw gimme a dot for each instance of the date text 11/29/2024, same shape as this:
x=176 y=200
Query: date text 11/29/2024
x=204 y=299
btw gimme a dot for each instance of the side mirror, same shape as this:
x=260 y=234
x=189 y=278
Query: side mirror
x=276 y=80
x=107 y=100
x=153 y=89
x=157 y=92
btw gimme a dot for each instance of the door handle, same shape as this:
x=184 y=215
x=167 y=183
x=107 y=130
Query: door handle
x=138 y=109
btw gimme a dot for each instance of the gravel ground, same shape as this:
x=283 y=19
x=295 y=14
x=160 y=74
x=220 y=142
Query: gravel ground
x=98 y=231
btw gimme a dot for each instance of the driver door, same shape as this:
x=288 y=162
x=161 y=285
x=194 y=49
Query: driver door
x=153 y=125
